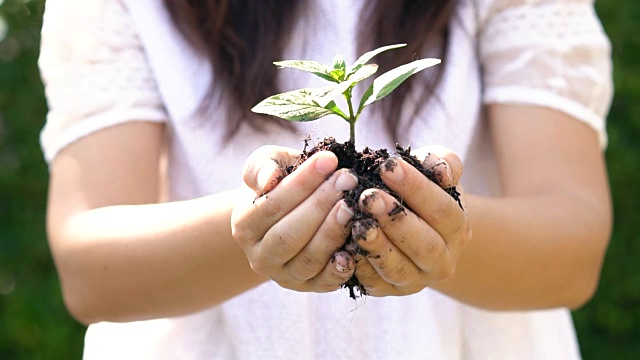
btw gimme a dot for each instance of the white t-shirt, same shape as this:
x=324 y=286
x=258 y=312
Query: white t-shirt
x=106 y=62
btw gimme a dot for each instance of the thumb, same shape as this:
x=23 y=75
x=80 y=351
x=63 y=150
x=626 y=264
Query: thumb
x=266 y=166
x=445 y=165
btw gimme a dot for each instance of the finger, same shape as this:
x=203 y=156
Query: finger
x=338 y=271
x=445 y=164
x=369 y=278
x=426 y=199
x=404 y=240
x=251 y=220
x=264 y=168
x=389 y=262
x=296 y=229
x=321 y=249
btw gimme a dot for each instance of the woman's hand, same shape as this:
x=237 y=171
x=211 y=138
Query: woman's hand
x=291 y=232
x=406 y=250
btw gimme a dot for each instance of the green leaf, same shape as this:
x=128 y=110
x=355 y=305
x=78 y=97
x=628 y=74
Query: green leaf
x=363 y=73
x=324 y=99
x=336 y=110
x=362 y=60
x=389 y=81
x=337 y=74
x=313 y=67
x=339 y=68
x=299 y=105
x=338 y=63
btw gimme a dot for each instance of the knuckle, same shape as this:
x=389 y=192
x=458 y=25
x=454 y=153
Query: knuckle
x=279 y=245
x=240 y=229
x=271 y=209
x=402 y=274
x=244 y=236
x=302 y=267
x=322 y=202
x=442 y=209
x=287 y=242
x=259 y=266
x=429 y=246
x=238 y=233
x=366 y=274
x=446 y=271
x=333 y=236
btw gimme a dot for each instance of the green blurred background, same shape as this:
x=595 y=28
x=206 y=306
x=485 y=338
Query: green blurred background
x=33 y=321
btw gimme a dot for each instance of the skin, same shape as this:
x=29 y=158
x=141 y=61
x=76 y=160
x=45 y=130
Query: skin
x=296 y=248
x=122 y=256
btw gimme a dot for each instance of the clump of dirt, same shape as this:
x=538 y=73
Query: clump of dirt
x=366 y=166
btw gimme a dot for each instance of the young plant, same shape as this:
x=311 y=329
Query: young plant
x=313 y=103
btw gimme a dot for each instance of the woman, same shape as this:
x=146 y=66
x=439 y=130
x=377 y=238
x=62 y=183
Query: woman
x=521 y=103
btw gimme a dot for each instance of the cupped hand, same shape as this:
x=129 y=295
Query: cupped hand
x=292 y=231
x=408 y=250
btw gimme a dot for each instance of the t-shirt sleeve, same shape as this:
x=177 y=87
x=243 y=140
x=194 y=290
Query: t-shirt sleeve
x=552 y=53
x=95 y=72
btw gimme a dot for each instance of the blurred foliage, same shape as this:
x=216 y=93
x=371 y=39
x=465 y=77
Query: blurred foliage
x=33 y=321
x=609 y=326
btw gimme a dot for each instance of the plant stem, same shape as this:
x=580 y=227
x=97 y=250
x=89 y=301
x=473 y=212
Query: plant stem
x=352 y=132
x=352 y=119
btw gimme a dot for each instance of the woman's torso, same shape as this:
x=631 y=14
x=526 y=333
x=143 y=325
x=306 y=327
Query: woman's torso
x=271 y=322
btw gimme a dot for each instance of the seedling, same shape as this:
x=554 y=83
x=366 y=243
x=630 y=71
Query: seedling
x=313 y=103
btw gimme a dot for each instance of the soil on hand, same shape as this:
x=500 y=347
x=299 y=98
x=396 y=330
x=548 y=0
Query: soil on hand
x=365 y=165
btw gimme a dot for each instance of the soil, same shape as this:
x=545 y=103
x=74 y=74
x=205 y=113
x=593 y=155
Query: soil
x=365 y=165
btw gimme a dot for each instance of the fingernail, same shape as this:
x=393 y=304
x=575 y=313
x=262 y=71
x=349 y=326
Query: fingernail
x=352 y=248
x=373 y=203
x=370 y=234
x=364 y=229
x=439 y=168
x=265 y=177
x=344 y=215
x=346 y=181
x=325 y=165
x=430 y=161
x=392 y=170
x=343 y=261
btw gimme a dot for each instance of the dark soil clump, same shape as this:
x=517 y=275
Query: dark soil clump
x=365 y=165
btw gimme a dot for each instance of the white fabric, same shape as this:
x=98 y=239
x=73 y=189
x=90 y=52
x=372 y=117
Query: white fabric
x=95 y=72
x=550 y=53
x=110 y=61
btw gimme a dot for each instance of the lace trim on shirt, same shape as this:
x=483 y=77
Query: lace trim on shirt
x=548 y=53
x=95 y=71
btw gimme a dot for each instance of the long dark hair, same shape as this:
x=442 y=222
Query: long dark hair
x=242 y=38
